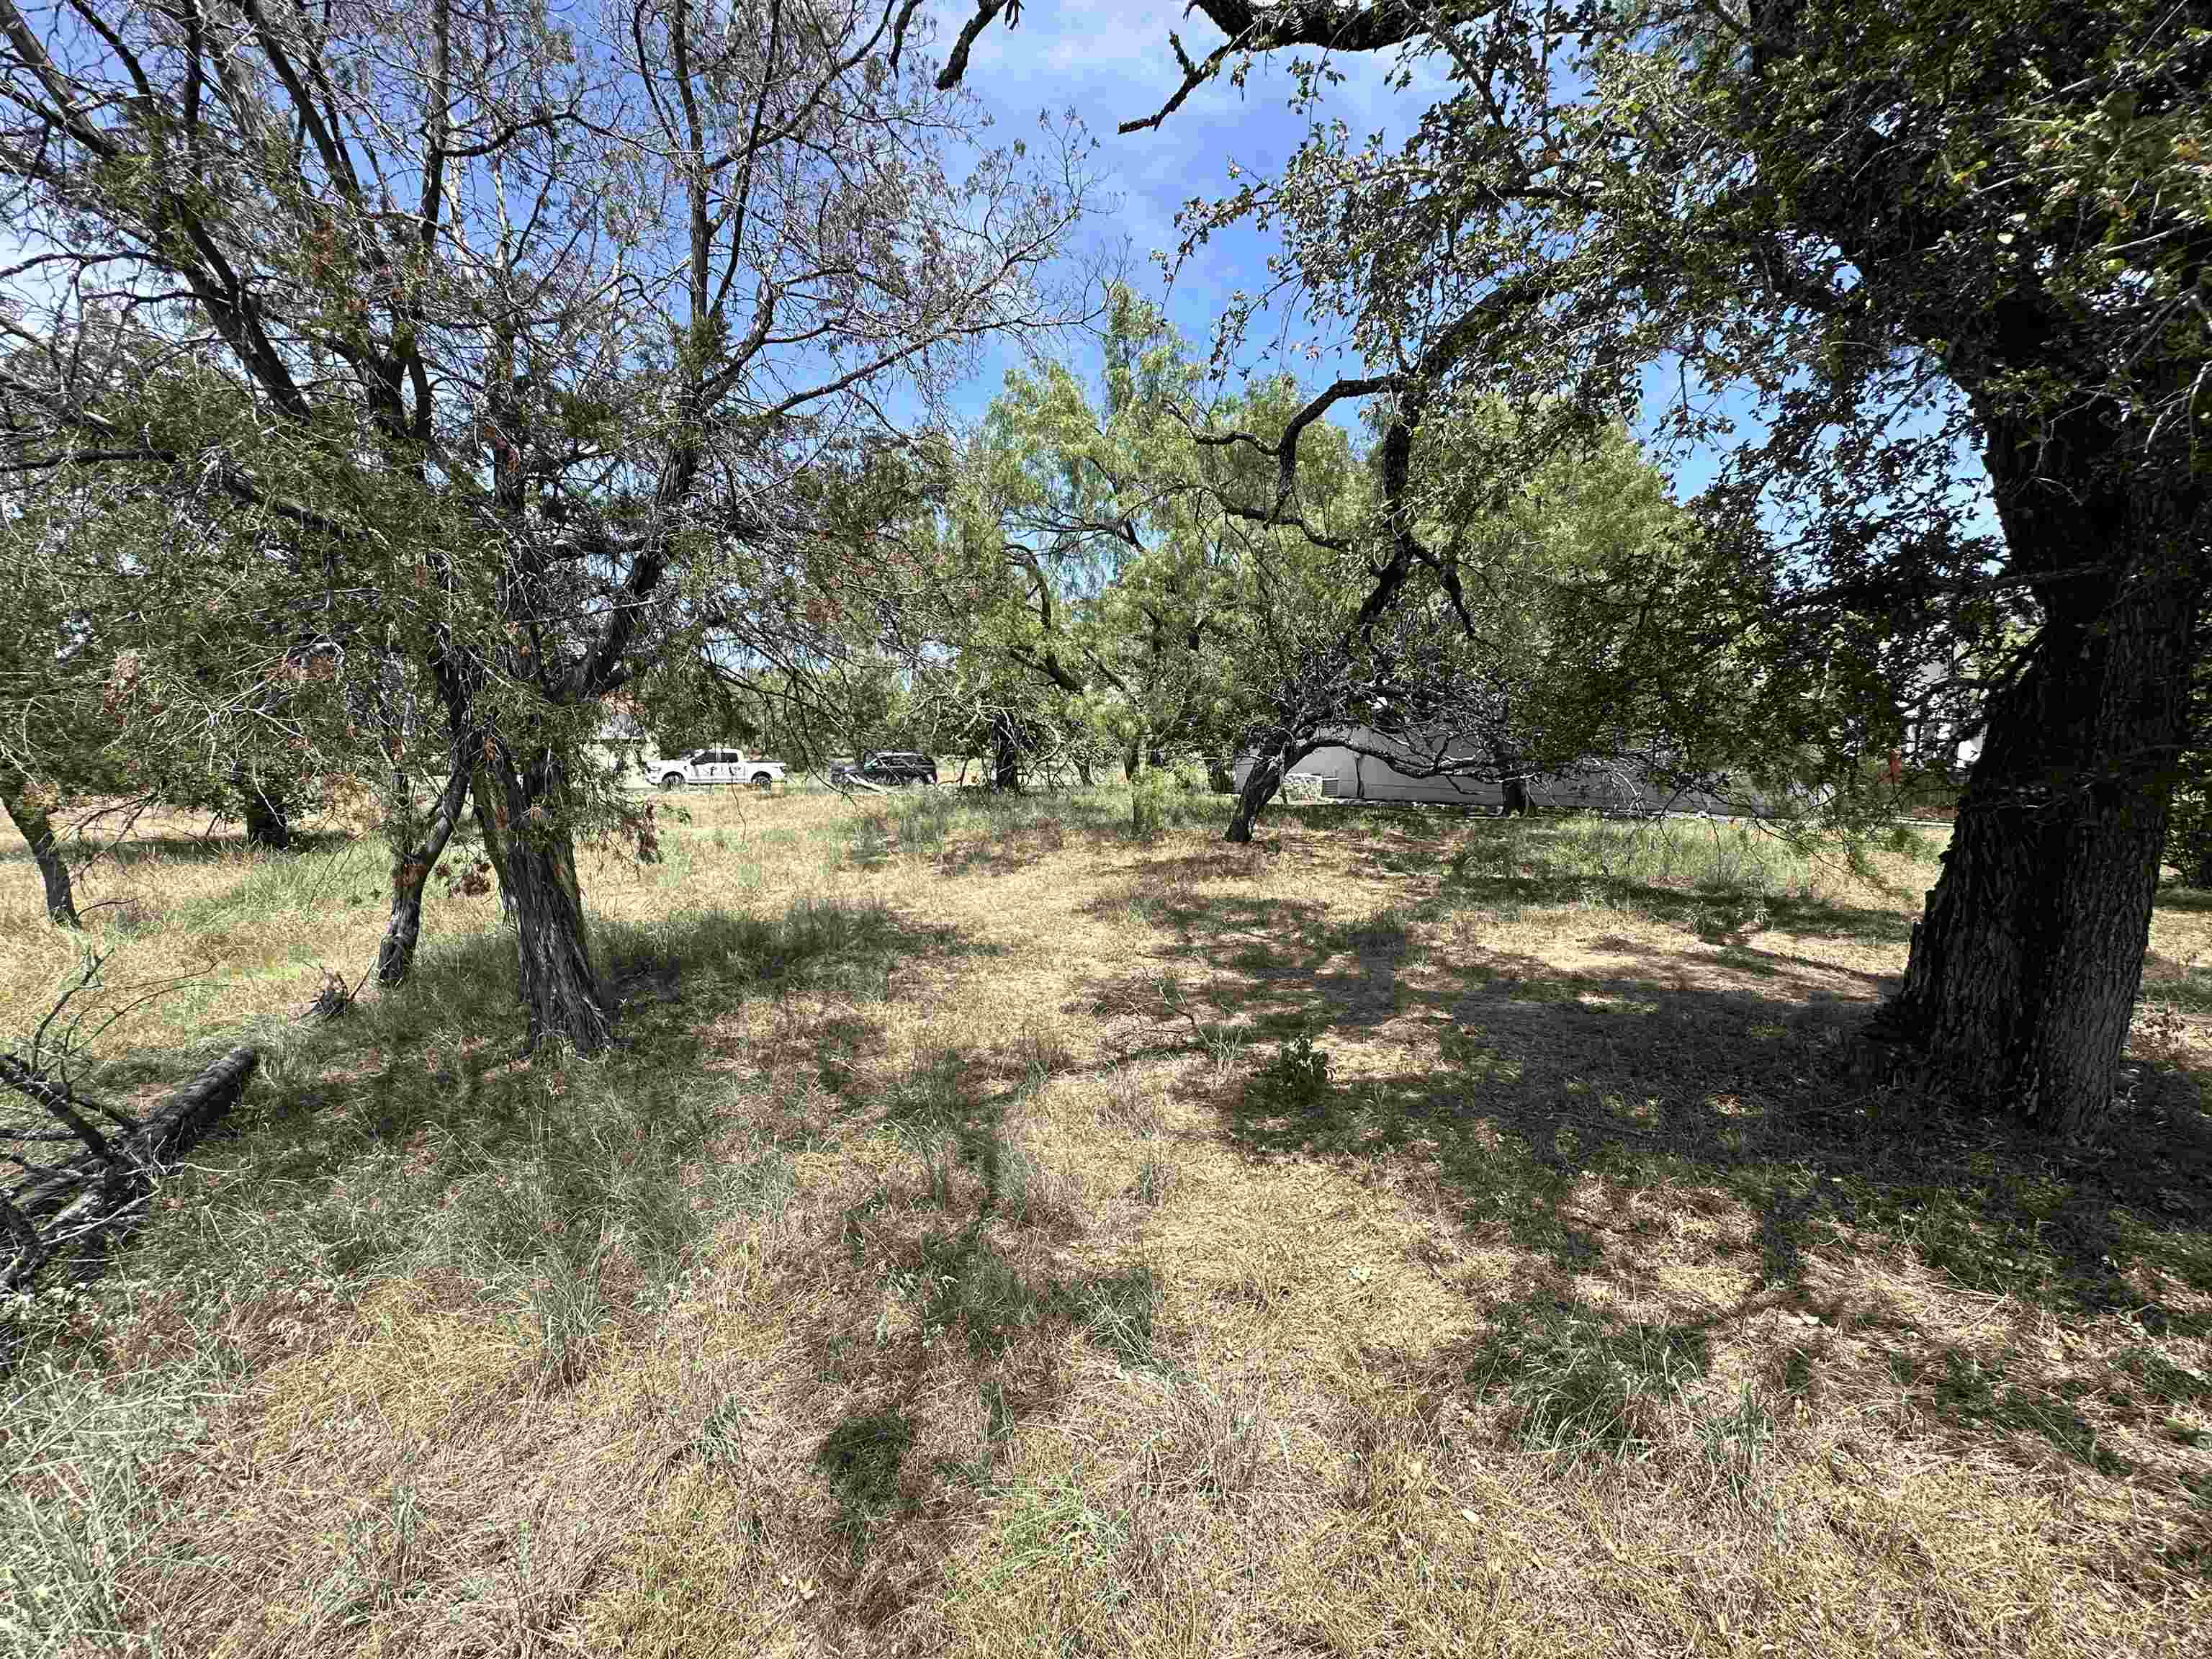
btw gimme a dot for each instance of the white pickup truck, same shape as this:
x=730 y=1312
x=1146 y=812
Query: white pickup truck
x=715 y=766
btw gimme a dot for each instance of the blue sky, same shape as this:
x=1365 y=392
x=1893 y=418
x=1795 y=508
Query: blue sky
x=1111 y=64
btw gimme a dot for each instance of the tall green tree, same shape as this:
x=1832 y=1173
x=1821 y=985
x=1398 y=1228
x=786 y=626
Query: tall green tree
x=1102 y=547
x=1133 y=549
x=1910 y=232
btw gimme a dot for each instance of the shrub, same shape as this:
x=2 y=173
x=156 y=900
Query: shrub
x=1297 y=1074
x=1150 y=798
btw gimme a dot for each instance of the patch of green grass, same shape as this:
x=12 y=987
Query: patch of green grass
x=938 y=1152
x=1735 y=1443
x=1120 y=1312
x=1719 y=880
x=870 y=845
x=1018 y=1189
x=382 y=1559
x=1034 y=1528
x=722 y=1438
x=1014 y=1186
x=1971 y=1388
x=2174 y=1384
x=962 y=1285
x=1576 y=1387
x=930 y=1092
x=760 y=1185
x=81 y=1494
x=565 y=1311
x=305 y=883
x=1296 y=1074
x=860 y=1459
x=844 y=943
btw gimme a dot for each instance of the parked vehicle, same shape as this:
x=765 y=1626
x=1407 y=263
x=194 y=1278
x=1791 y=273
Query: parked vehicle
x=717 y=766
x=891 y=770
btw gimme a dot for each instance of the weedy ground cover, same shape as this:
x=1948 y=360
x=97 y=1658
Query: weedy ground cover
x=1004 y=1230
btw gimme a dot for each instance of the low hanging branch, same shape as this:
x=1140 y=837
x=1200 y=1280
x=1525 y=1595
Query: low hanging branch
x=49 y=1206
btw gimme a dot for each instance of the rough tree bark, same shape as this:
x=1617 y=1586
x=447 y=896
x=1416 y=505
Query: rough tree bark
x=561 y=995
x=1138 y=751
x=2026 y=964
x=36 y=825
x=1261 y=784
x=411 y=869
x=1512 y=775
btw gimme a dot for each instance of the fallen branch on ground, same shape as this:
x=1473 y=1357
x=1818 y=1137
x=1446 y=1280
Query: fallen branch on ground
x=55 y=1205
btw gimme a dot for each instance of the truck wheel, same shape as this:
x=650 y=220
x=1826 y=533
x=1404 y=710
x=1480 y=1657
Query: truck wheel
x=763 y=782
x=671 y=781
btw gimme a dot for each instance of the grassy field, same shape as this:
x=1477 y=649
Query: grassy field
x=996 y=1234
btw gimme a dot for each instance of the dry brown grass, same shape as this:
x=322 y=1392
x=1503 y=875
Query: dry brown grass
x=999 y=1236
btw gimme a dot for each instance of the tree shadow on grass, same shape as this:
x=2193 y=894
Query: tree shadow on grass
x=1503 y=866
x=1552 y=1099
x=1712 y=912
x=174 y=847
x=415 y=1108
x=961 y=1274
x=973 y=1244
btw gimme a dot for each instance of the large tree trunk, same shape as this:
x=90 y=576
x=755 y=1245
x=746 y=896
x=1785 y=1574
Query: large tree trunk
x=1512 y=780
x=1137 y=791
x=559 y=993
x=36 y=826
x=2026 y=964
x=411 y=864
x=267 y=823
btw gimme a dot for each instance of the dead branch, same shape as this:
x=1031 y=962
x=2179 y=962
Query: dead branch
x=58 y=1205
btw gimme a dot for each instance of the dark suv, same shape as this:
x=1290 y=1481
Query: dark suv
x=894 y=767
